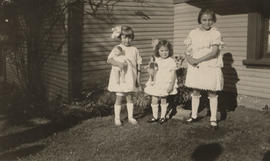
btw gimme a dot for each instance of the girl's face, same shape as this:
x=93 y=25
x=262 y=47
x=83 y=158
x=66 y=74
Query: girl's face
x=163 y=52
x=125 y=40
x=206 y=21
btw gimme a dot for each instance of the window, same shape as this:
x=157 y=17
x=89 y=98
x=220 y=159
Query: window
x=268 y=39
x=258 y=47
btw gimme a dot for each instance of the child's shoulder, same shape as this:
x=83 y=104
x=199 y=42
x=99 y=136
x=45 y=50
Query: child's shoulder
x=131 y=49
x=168 y=60
x=194 y=32
x=171 y=60
x=214 y=32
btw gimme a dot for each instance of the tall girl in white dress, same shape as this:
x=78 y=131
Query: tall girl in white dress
x=204 y=64
x=165 y=83
x=130 y=84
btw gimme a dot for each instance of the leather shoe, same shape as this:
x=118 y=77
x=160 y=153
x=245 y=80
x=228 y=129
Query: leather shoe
x=192 y=120
x=162 y=120
x=152 y=120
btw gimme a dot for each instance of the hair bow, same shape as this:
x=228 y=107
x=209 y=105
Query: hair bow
x=154 y=43
x=116 y=32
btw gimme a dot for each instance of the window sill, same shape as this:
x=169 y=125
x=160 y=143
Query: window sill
x=180 y=1
x=257 y=62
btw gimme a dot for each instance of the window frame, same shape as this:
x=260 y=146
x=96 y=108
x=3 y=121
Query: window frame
x=258 y=25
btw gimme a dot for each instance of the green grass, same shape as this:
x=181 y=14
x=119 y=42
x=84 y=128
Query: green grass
x=244 y=135
x=81 y=136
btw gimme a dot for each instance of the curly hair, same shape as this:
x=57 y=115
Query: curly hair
x=166 y=44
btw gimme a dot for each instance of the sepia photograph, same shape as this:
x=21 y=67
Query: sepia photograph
x=134 y=80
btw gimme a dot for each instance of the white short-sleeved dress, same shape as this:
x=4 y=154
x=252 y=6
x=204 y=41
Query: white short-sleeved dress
x=207 y=75
x=133 y=58
x=166 y=67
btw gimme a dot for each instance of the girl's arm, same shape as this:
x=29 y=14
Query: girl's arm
x=139 y=74
x=211 y=55
x=117 y=63
x=173 y=78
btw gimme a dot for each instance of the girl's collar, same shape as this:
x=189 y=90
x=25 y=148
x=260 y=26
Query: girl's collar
x=122 y=45
x=163 y=58
x=211 y=29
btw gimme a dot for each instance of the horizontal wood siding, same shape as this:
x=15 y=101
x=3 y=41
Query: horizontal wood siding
x=238 y=78
x=56 y=70
x=97 y=30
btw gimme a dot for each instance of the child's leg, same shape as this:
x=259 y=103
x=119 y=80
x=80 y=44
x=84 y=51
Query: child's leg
x=213 y=99
x=154 y=105
x=130 y=108
x=164 y=106
x=194 y=104
x=117 y=109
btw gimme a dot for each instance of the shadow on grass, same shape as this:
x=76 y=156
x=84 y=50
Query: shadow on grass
x=266 y=156
x=14 y=155
x=40 y=132
x=34 y=134
x=207 y=152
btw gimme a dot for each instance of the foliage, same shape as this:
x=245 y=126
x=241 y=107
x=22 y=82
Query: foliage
x=100 y=99
x=183 y=94
x=30 y=25
x=28 y=33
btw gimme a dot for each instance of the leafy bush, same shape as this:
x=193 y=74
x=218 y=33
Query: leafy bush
x=100 y=101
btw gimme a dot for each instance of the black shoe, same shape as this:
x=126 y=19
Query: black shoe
x=192 y=120
x=152 y=120
x=162 y=120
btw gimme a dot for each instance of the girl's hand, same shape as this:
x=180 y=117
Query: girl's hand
x=170 y=89
x=192 y=61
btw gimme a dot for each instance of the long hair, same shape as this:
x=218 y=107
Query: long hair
x=166 y=44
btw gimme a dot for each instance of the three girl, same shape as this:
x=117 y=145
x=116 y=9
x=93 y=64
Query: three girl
x=129 y=84
x=204 y=64
x=203 y=72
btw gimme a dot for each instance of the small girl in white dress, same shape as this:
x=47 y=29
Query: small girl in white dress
x=165 y=83
x=204 y=63
x=124 y=87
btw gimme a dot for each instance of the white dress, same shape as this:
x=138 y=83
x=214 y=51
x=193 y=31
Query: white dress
x=133 y=58
x=207 y=75
x=166 y=67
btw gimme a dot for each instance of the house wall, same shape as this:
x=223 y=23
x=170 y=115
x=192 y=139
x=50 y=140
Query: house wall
x=97 y=44
x=233 y=25
x=56 y=65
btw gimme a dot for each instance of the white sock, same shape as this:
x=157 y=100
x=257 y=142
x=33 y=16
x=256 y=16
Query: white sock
x=163 y=110
x=117 y=111
x=130 y=108
x=195 y=102
x=155 y=110
x=213 y=107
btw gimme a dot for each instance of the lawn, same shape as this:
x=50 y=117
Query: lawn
x=243 y=136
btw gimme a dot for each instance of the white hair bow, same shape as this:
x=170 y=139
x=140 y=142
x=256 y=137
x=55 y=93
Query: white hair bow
x=116 y=32
x=154 y=43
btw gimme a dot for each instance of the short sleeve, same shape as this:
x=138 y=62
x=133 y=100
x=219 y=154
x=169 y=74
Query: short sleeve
x=139 y=58
x=188 y=40
x=217 y=40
